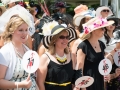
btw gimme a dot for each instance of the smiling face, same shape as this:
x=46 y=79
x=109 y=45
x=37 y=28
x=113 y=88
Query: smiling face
x=20 y=34
x=62 y=40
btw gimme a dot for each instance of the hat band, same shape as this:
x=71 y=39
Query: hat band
x=56 y=28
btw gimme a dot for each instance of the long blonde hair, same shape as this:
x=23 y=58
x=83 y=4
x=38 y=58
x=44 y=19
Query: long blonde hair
x=14 y=22
x=51 y=48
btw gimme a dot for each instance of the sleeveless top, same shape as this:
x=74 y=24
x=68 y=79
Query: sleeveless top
x=58 y=75
x=91 y=62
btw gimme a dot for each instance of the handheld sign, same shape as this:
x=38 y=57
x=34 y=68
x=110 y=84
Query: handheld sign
x=116 y=58
x=105 y=67
x=84 y=82
x=30 y=61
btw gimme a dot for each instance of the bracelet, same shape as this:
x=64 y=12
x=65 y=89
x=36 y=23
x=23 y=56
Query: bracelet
x=16 y=83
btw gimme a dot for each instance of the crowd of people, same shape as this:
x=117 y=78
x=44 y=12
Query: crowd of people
x=69 y=47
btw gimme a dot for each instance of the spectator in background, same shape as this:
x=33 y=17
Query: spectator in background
x=103 y=12
x=108 y=35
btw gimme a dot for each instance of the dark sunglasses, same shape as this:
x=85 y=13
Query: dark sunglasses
x=113 y=24
x=105 y=10
x=36 y=10
x=64 y=37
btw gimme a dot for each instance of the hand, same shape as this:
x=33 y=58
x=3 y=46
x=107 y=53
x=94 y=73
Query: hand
x=26 y=83
x=107 y=78
x=76 y=88
x=117 y=72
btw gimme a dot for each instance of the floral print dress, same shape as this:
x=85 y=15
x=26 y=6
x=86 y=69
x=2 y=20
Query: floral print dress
x=20 y=75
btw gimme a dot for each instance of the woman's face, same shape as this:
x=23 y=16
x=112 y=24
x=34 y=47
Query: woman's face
x=111 y=27
x=62 y=40
x=99 y=32
x=105 y=13
x=20 y=34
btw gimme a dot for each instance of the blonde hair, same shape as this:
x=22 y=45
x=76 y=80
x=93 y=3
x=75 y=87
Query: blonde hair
x=14 y=22
x=51 y=48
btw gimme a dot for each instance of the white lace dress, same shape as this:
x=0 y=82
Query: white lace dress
x=20 y=75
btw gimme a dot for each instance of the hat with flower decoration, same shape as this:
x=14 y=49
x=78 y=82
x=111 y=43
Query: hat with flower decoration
x=94 y=24
x=53 y=28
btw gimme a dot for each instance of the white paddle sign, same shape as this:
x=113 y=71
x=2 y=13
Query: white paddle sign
x=84 y=82
x=30 y=61
x=105 y=67
x=117 y=58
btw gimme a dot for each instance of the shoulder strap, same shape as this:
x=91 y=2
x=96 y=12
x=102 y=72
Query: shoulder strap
x=48 y=56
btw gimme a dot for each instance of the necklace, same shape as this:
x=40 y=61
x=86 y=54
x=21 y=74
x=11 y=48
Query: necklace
x=62 y=59
x=18 y=54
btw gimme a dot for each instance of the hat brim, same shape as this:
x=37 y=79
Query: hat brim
x=99 y=9
x=84 y=35
x=116 y=20
x=71 y=32
x=78 y=17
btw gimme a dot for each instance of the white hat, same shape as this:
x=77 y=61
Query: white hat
x=20 y=11
x=5 y=2
x=99 y=9
x=78 y=17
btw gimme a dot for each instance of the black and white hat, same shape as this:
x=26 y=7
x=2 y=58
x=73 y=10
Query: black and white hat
x=57 y=29
x=116 y=35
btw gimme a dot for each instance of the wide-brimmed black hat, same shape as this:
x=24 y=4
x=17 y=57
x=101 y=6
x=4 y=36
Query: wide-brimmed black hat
x=115 y=19
x=57 y=29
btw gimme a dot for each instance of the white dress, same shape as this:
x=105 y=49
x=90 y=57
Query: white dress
x=20 y=74
x=109 y=47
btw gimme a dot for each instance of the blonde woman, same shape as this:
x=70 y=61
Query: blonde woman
x=91 y=51
x=56 y=68
x=13 y=76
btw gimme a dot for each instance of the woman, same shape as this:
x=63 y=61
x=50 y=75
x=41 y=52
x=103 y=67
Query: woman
x=113 y=78
x=108 y=35
x=56 y=68
x=80 y=19
x=103 y=12
x=91 y=51
x=13 y=76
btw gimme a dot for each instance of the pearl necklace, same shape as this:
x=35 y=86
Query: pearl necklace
x=62 y=59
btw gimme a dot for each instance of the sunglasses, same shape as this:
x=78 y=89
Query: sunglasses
x=105 y=10
x=64 y=37
x=113 y=24
x=36 y=10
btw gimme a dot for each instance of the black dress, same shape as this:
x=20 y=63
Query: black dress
x=114 y=84
x=91 y=63
x=59 y=74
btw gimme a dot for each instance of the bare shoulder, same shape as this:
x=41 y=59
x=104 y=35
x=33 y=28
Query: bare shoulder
x=44 y=59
